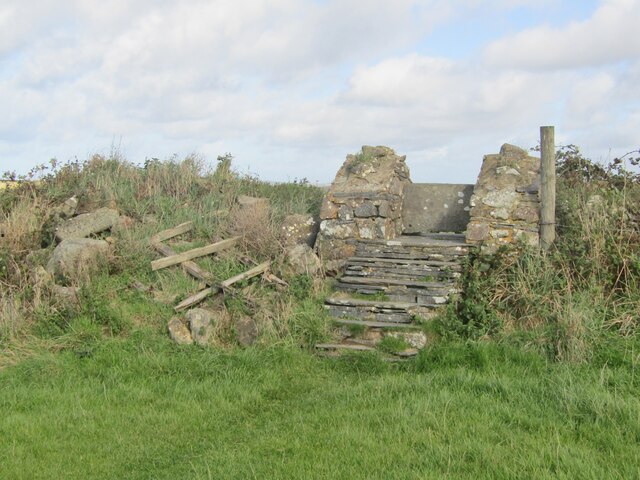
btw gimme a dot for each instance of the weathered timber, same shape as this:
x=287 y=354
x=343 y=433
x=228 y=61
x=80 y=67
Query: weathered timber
x=257 y=270
x=172 y=232
x=200 y=296
x=197 y=298
x=190 y=267
x=194 y=253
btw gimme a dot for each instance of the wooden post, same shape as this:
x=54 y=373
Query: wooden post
x=547 y=187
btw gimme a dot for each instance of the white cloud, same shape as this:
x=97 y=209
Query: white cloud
x=609 y=36
x=291 y=86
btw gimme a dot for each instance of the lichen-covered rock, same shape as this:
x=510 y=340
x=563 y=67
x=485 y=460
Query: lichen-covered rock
x=77 y=260
x=179 y=332
x=88 y=223
x=364 y=202
x=299 y=229
x=201 y=325
x=505 y=206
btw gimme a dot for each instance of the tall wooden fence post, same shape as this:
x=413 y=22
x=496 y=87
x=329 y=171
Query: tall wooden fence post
x=547 y=187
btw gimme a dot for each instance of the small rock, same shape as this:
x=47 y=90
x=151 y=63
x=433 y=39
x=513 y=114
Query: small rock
x=201 y=325
x=247 y=330
x=68 y=209
x=179 y=332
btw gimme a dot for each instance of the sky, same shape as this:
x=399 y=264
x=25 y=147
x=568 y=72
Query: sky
x=290 y=87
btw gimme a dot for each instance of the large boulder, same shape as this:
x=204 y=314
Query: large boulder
x=88 y=223
x=77 y=260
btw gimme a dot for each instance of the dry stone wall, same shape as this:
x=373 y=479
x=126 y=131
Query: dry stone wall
x=364 y=202
x=505 y=205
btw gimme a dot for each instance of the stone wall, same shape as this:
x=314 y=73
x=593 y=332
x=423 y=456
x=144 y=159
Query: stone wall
x=364 y=202
x=505 y=205
x=436 y=207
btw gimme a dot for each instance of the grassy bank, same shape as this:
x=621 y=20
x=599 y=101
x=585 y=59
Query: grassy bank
x=143 y=408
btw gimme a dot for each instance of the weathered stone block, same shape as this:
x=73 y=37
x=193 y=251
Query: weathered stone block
x=345 y=213
x=366 y=210
x=299 y=229
x=328 y=209
x=477 y=232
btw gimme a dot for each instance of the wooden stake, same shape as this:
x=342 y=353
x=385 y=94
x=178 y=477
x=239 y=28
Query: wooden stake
x=547 y=187
x=194 y=253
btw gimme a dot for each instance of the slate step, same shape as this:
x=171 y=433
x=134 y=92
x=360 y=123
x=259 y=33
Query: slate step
x=391 y=282
x=368 y=313
x=371 y=324
x=405 y=262
x=399 y=274
x=344 y=346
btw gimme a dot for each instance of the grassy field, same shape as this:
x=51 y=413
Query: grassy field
x=144 y=408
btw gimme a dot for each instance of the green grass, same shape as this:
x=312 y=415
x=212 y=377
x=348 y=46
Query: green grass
x=144 y=408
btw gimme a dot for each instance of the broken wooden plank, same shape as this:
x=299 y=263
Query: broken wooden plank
x=194 y=253
x=197 y=298
x=172 y=232
x=270 y=277
x=190 y=267
x=257 y=270
x=201 y=295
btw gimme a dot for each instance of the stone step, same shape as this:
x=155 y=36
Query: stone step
x=453 y=265
x=391 y=282
x=344 y=346
x=399 y=274
x=421 y=255
x=371 y=324
x=369 y=313
x=357 y=302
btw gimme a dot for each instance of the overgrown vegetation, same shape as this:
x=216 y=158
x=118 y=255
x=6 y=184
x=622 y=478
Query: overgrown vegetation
x=573 y=301
x=152 y=197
